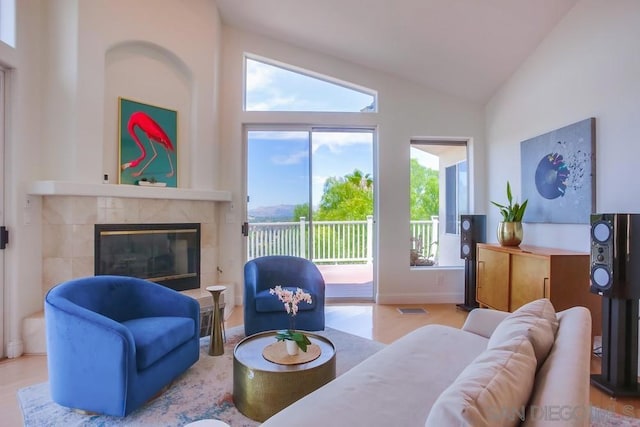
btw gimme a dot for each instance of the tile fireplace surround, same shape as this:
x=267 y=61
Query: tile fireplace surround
x=68 y=234
x=68 y=230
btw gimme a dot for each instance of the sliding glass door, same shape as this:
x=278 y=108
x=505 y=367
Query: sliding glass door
x=310 y=194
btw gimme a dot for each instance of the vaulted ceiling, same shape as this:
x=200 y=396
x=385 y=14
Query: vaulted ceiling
x=466 y=48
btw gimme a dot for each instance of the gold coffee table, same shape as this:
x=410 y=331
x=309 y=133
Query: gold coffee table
x=261 y=388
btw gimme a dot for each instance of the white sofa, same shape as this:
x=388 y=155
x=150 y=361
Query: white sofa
x=486 y=373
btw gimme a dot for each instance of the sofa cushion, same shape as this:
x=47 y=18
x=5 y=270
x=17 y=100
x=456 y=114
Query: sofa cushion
x=492 y=391
x=536 y=321
x=157 y=336
x=560 y=393
x=395 y=387
x=267 y=302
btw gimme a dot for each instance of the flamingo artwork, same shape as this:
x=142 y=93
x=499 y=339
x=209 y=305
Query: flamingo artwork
x=155 y=135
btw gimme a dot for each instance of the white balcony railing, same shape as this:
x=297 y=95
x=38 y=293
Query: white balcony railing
x=335 y=242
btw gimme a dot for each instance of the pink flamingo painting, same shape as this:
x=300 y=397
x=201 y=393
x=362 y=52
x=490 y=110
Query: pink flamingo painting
x=155 y=134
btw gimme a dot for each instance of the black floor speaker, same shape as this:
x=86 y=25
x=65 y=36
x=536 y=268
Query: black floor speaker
x=619 y=377
x=472 y=231
x=615 y=275
x=469 y=286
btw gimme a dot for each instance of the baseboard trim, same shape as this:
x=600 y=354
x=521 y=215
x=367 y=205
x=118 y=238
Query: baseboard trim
x=14 y=349
x=420 y=298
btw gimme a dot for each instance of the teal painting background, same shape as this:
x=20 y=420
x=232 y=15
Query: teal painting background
x=129 y=150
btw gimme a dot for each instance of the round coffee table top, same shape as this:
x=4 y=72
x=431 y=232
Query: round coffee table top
x=249 y=353
x=216 y=288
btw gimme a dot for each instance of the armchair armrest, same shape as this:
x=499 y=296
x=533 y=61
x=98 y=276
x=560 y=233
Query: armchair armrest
x=483 y=321
x=78 y=340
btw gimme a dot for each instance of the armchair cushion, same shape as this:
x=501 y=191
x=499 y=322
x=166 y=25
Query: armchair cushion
x=267 y=303
x=156 y=336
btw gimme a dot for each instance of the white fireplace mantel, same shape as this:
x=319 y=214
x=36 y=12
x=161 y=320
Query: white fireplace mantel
x=70 y=188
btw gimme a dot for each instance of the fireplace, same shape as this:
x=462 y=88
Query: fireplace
x=168 y=254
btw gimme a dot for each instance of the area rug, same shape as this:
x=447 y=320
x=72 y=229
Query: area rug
x=204 y=391
x=603 y=418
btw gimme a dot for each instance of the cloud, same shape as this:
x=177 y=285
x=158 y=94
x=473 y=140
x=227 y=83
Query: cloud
x=275 y=100
x=262 y=89
x=258 y=76
x=320 y=179
x=290 y=159
x=334 y=141
x=276 y=135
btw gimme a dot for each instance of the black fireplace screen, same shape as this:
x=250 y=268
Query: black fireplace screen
x=168 y=254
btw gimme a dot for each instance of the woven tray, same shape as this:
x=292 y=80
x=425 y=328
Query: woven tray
x=277 y=353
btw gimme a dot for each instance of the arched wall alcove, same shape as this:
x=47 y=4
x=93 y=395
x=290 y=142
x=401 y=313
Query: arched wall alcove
x=147 y=73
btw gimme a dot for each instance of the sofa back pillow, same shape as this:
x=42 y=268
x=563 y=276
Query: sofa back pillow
x=491 y=391
x=536 y=321
x=560 y=393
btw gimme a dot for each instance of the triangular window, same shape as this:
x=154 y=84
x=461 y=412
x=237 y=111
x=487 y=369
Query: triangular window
x=270 y=87
x=8 y=22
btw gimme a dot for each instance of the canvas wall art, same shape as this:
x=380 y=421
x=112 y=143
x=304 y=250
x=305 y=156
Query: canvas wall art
x=558 y=174
x=148 y=144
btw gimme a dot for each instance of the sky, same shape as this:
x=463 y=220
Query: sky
x=425 y=159
x=278 y=161
x=271 y=88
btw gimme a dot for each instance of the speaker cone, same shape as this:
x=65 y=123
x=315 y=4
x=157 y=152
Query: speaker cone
x=466 y=249
x=601 y=277
x=601 y=232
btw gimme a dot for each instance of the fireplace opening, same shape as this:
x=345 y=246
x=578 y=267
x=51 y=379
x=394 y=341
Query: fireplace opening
x=168 y=254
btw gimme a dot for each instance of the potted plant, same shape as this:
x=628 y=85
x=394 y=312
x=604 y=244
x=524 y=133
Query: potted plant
x=510 y=228
x=293 y=339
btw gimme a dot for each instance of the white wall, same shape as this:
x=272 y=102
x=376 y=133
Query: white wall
x=405 y=111
x=72 y=60
x=589 y=66
x=155 y=51
x=23 y=138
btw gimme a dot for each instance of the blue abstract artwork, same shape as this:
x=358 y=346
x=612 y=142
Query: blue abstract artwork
x=558 y=174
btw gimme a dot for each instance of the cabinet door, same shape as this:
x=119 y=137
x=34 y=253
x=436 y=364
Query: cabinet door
x=492 y=271
x=529 y=279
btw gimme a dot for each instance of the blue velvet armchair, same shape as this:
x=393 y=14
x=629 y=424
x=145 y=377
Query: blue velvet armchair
x=114 y=342
x=263 y=311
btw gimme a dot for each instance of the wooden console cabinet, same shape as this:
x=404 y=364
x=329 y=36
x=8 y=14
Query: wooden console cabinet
x=509 y=277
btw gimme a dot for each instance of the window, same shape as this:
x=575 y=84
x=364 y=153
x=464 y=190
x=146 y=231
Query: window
x=439 y=193
x=310 y=183
x=8 y=22
x=456 y=196
x=270 y=87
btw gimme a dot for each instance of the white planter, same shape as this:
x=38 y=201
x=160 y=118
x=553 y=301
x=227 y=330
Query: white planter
x=292 y=347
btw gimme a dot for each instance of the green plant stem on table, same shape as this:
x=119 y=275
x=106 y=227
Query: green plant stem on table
x=513 y=212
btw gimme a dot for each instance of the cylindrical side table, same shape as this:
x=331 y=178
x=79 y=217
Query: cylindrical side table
x=255 y=377
x=216 y=344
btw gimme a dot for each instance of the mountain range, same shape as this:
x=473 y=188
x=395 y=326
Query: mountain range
x=272 y=213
